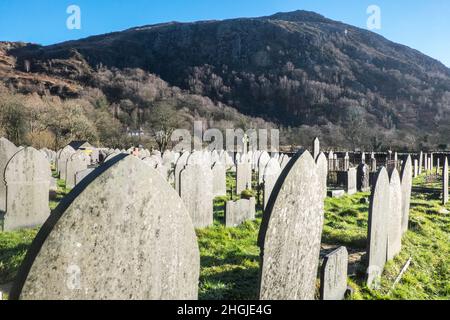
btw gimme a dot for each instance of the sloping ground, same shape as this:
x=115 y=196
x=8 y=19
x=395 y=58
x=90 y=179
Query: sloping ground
x=230 y=256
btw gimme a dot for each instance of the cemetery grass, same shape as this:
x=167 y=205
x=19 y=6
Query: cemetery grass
x=230 y=256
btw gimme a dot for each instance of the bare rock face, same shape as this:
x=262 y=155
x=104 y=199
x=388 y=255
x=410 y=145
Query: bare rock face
x=291 y=230
x=333 y=275
x=377 y=231
x=406 y=177
x=122 y=233
x=7 y=150
x=27 y=178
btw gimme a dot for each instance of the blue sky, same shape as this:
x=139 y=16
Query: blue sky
x=420 y=24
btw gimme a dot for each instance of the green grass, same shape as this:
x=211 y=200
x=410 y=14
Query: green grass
x=230 y=256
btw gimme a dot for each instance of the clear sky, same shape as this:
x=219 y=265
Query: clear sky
x=420 y=24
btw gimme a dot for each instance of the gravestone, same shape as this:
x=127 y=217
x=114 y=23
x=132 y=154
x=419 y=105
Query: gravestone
x=181 y=163
x=377 y=227
x=316 y=148
x=416 y=168
x=243 y=177
x=346 y=162
x=445 y=195
x=333 y=275
x=270 y=176
x=406 y=179
x=363 y=178
x=27 y=177
x=351 y=183
x=80 y=175
x=7 y=151
x=219 y=179
x=420 y=162
x=122 y=234
x=394 y=221
x=78 y=161
x=237 y=212
x=196 y=190
x=64 y=154
x=264 y=158
x=291 y=230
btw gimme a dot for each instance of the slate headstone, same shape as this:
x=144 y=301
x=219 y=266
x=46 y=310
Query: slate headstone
x=333 y=275
x=121 y=234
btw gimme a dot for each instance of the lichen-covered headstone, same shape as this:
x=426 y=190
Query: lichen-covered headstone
x=351 y=183
x=264 y=158
x=63 y=155
x=270 y=176
x=219 y=179
x=333 y=275
x=363 y=178
x=80 y=175
x=237 y=212
x=445 y=195
x=181 y=163
x=121 y=234
x=394 y=221
x=377 y=228
x=78 y=161
x=291 y=230
x=7 y=150
x=196 y=190
x=27 y=177
x=406 y=178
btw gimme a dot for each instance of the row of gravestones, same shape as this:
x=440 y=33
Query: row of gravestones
x=124 y=233
x=25 y=179
x=83 y=250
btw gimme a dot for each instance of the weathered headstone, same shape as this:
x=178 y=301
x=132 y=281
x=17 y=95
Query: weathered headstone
x=420 y=162
x=27 y=177
x=351 y=183
x=243 y=177
x=122 y=234
x=181 y=163
x=64 y=154
x=416 y=168
x=7 y=151
x=237 y=212
x=78 y=161
x=270 y=176
x=363 y=178
x=445 y=196
x=196 y=190
x=219 y=179
x=394 y=221
x=333 y=275
x=80 y=175
x=406 y=178
x=377 y=229
x=316 y=148
x=264 y=158
x=291 y=230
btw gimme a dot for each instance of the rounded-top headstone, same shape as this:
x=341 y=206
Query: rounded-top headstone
x=290 y=233
x=395 y=216
x=406 y=192
x=122 y=233
x=377 y=227
x=7 y=150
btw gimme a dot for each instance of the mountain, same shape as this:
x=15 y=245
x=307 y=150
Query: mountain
x=297 y=69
